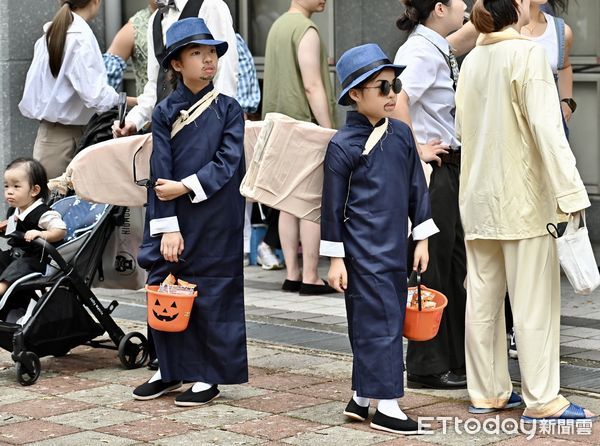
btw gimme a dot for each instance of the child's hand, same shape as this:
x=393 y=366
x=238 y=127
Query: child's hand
x=167 y=190
x=338 y=276
x=32 y=235
x=171 y=246
x=421 y=256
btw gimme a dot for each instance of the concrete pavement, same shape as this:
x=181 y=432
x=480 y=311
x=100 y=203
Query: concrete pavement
x=300 y=369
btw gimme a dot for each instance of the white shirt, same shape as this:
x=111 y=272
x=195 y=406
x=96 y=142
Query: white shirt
x=217 y=16
x=549 y=40
x=81 y=87
x=48 y=220
x=428 y=83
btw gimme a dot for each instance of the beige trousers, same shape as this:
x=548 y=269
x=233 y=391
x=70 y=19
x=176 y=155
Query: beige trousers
x=55 y=145
x=530 y=269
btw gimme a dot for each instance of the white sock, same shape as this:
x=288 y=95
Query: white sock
x=391 y=409
x=200 y=387
x=156 y=377
x=362 y=402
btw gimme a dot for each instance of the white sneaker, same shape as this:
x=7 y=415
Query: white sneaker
x=512 y=344
x=266 y=257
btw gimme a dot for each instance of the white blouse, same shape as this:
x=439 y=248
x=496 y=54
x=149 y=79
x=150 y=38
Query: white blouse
x=81 y=87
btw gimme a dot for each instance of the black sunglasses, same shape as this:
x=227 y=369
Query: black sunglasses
x=386 y=86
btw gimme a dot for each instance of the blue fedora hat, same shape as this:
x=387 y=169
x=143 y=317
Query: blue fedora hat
x=189 y=31
x=358 y=64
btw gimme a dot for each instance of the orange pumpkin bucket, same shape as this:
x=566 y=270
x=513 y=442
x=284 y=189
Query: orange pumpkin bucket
x=168 y=312
x=422 y=320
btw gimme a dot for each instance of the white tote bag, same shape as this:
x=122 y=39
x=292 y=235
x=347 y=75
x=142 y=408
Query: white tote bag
x=576 y=255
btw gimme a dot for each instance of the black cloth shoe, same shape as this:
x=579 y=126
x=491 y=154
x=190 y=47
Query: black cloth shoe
x=448 y=380
x=151 y=390
x=386 y=423
x=292 y=286
x=356 y=412
x=153 y=365
x=308 y=289
x=190 y=398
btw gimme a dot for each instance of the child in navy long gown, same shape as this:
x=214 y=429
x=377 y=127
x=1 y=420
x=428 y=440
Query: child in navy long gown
x=373 y=183
x=195 y=219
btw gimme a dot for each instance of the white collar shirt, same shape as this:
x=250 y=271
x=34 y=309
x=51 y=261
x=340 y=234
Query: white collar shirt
x=428 y=83
x=81 y=87
x=218 y=19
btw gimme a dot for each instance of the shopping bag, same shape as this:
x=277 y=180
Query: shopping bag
x=120 y=268
x=575 y=254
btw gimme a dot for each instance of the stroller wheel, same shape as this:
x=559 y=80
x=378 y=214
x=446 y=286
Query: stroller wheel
x=28 y=368
x=133 y=350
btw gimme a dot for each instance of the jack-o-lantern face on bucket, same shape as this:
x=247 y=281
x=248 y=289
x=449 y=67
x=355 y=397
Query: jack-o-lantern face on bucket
x=167 y=312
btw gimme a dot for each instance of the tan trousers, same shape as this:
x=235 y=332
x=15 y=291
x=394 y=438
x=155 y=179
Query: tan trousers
x=530 y=269
x=55 y=146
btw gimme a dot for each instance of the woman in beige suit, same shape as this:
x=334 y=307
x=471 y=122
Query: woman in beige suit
x=517 y=171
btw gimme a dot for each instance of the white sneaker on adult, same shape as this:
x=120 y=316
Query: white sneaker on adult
x=266 y=257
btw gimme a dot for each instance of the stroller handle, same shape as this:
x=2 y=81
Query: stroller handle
x=46 y=247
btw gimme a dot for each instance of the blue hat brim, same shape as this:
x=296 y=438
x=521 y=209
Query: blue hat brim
x=343 y=98
x=220 y=46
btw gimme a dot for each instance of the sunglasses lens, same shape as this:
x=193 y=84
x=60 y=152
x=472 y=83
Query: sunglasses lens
x=397 y=85
x=385 y=87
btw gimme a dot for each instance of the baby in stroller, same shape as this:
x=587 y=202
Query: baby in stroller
x=26 y=192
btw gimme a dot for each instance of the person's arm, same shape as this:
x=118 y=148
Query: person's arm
x=463 y=40
x=565 y=76
x=87 y=74
x=218 y=172
x=123 y=43
x=53 y=228
x=218 y=19
x=309 y=60
x=338 y=170
x=429 y=151
x=539 y=104
x=419 y=207
x=139 y=115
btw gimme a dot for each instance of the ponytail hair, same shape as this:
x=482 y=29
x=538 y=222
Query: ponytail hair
x=56 y=36
x=416 y=12
x=490 y=16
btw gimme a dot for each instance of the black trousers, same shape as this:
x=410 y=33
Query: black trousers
x=446 y=273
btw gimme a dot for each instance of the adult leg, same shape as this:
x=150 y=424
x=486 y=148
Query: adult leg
x=55 y=145
x=488 y=380
x=310 y=236
x=427 y=361
x=533 y=279
x=289 y=235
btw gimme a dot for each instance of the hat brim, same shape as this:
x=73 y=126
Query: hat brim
x=344 y=99
x=220 y=46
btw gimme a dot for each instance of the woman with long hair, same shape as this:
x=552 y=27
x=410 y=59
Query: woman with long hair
x=66 y=84
x=517 y=171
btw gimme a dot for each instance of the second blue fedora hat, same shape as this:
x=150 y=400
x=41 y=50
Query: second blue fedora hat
x=188 y=31
x=358 y=64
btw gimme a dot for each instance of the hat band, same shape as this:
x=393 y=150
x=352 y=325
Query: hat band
x=190 y=39
x=358 y=73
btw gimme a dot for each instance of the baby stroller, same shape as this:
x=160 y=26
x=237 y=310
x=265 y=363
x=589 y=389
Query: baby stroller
x=51 y=313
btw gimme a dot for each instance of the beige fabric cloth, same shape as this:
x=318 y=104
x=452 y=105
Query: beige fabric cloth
x=517 y=168
x=55 y=145
x=530 y=268
x=190 y=115
x=103 y=173
x=286 y=171
x=251 y=131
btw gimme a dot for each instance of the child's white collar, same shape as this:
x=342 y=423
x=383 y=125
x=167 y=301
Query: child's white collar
x=21 y=215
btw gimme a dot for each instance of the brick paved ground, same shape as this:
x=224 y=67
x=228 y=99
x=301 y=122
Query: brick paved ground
x=294 y=397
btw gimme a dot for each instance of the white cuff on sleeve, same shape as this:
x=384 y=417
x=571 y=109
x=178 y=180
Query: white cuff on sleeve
x=332 y=249
x=424 y=230
x=192 y=183
x=159 y=226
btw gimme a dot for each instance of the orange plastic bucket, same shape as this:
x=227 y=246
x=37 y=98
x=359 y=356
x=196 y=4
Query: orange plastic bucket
x=422 y=324
x=168 y=312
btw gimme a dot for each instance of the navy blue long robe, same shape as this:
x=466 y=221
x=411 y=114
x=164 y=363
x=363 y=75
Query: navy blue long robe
x=213 y=347
x=367 y=200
